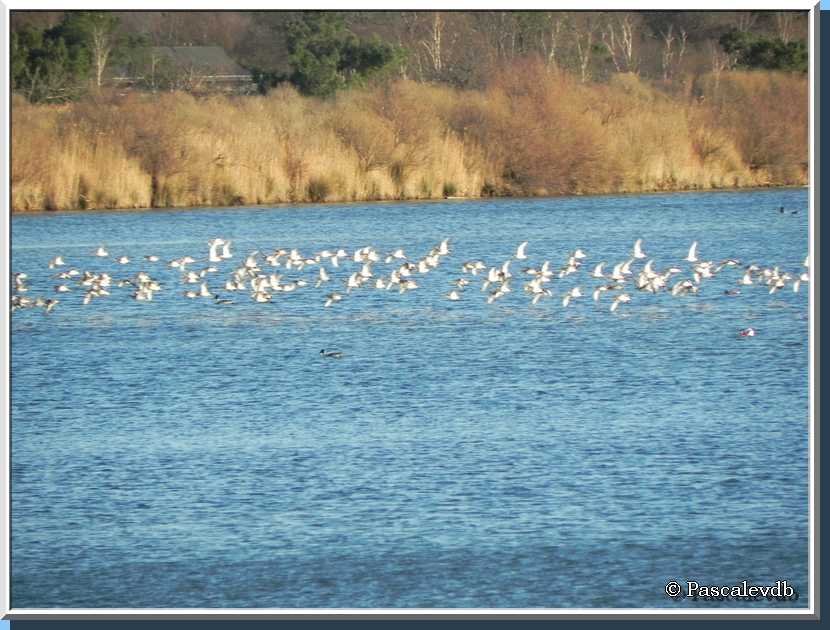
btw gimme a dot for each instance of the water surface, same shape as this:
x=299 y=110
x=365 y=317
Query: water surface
x=179 y=453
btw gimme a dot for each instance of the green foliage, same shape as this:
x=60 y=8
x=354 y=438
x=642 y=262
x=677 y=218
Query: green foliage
x=54 y=64
x=44 y=67
x=325 y=56
x=265 y=79
x=753 y=52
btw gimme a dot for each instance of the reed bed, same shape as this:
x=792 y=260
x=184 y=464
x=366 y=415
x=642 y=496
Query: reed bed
x=534 y=131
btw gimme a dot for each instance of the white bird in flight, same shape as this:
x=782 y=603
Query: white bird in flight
x=692 y=257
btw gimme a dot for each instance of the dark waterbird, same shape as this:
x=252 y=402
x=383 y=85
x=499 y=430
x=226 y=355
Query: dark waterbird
x=331 y=354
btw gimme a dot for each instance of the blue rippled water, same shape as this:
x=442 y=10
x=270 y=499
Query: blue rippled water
x=180 y=453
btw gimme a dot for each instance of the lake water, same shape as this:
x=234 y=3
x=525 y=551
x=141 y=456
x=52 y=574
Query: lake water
x=181 y=453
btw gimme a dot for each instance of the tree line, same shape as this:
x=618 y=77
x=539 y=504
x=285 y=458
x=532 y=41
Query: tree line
x=60 y=56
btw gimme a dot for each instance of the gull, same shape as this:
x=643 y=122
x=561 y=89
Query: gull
x=191 y=277
x=534 y=286
x=250 y=261
x=495 y=295
x=277 y=254
x=473 y=266
x=597 y=273
x=151 y=258
x=444 y=247
x=226 y=251
x=621 y=298
x=407 y=285
x=692 y=256
x=638 y=252
x=50 y=304
x=578 y=254
x=397 y=254
x=540 y=295
x=103 y=253
x=683 y=287
x=20 y=282
x=274 y=281
x=353 y=282
x=335 y=259
x=747 y=332
x=324 y=277
x=573 y=293
x=331 y=298
x=729 y=262
x=62 y=288
x=520 y=252
x=453 y=296
x=20 y=301
x=214 y=245
x=617 y=274
x=122 y=260
x=572 y=267
x=56 y=262
x=461 y=282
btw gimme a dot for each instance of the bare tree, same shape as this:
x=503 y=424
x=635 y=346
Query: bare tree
x=102 y=41
x=433 y=42
x=669 y=51
x=584 y=39
x=550 y=38
x=784 y=22
x=721 y=61
x=745 y=20
x=101 y=48
x=618 y=37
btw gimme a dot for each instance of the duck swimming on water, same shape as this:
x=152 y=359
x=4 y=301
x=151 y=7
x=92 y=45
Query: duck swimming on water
x=331 y=354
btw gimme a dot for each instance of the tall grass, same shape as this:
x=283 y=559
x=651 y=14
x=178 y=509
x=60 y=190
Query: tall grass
x=532 y=131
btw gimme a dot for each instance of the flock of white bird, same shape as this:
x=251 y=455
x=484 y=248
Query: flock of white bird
x=262 y=276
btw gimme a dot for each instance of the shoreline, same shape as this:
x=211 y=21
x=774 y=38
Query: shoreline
x=454 y=199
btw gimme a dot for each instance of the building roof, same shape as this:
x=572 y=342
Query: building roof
x=206 y=61
x=211 y=60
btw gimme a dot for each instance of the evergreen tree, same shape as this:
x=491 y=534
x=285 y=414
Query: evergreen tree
x=325 y=56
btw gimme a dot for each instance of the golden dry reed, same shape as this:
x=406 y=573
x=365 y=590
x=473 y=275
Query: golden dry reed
x=534 y=131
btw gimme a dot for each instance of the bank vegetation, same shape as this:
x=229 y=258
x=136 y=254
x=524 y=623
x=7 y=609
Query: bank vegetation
x=533 y=130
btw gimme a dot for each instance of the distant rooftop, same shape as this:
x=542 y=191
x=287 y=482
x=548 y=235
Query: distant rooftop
x=208 y=61
x=212 y=60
